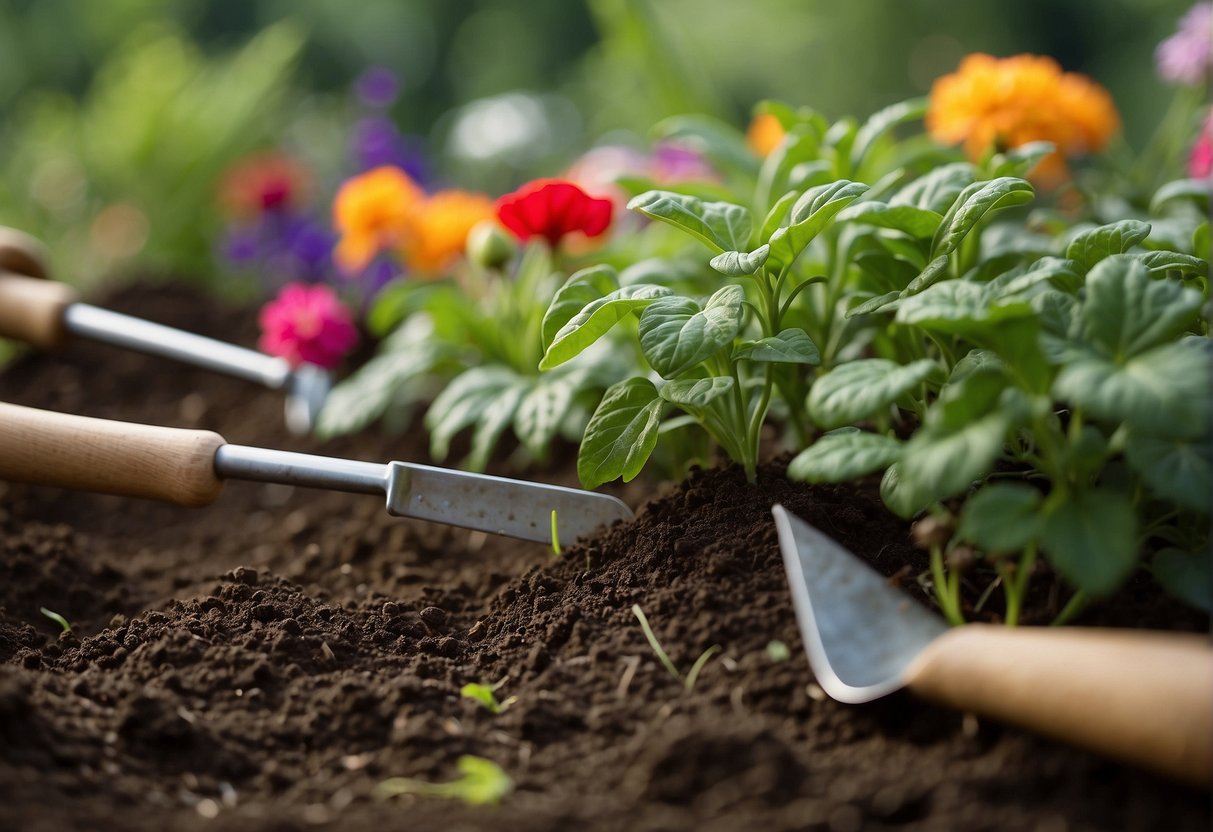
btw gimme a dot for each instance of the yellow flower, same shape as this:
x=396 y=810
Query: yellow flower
x=372 y=212
x=1003 y=103
x=764 y=134
x=440 y=229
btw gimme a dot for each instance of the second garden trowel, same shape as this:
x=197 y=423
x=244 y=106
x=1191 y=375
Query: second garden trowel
x=1144 y=697
x=188 y=467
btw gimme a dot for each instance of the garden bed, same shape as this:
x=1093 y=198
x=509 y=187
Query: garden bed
x=265 y=662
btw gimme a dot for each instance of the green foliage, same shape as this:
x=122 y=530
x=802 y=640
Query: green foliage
x=486 y=695
x=481 y=783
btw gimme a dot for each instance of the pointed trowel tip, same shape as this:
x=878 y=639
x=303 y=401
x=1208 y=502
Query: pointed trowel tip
x=860 y=633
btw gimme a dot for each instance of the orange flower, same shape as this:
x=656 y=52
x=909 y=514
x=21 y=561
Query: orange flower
x=764 y=134
x=1008 y=102
x=440 y=228
x=372 y=212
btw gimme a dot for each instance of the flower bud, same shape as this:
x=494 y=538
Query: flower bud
x=488 y=246
x=932 y=531
x=961 y=559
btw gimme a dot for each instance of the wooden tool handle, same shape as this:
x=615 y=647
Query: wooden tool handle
x=1143 y=697
x=31 y=310
x=76 y=452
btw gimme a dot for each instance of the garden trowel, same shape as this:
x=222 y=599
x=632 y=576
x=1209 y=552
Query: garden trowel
x=1144 y=697
x=45 y=314
x=188 y=467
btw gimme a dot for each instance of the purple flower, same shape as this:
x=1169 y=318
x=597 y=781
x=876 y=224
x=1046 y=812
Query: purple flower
x=377 y=142
x=241 y=245
x=673 y=162
x=1186 y=56
x=311 y=247
x=377 y=87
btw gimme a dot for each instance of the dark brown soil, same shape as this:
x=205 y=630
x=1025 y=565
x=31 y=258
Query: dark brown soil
x=263 y=663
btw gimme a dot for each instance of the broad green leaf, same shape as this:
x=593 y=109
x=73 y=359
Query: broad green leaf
x=1126 y=312
x=791 y=346
x=1178 y=470
x=841 y=457
x=722 y=226
x=937 y=466
x=675 y=334
x=544 y=408
x=1092 y=246
x=967 y=398
x=777 y=215
x=935 y=271
x=621 y=434
x=957 y=307
x=881 y=303
x=1187 y=576
x=1200 y=241
x=497 y=416
x=739 y=263
x=596 y=319
x=1055 y=270
x=903 y=249
x=1161 y=261
x=880 y=123
x=860 y=389
x=937 y=191
x=810 y=215
x=975 y=203
x=580 y=290
x=1001 y=518
x=891 y=273
x=899 y=498
x=1020 y=160
x=1164 y=391
x=976 y=361
x=463 y=403
x=1196 y=190
x=919 y=223
x=1091 y=539
x=696 y=392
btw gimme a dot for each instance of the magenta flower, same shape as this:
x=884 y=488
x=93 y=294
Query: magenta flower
x=307 y=324
x=1186 y=56
x=1200 y=161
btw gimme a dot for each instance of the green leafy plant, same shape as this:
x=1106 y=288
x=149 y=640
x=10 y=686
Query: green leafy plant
x=481 y=783
x=688 y=681
x=57 y=618
x=486 y=696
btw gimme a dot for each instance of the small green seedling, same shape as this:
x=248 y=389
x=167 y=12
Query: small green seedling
x=688 y=681
x=57 y=618
x=555 y=536
x=777 y=651
x=481 y=783
x=485 y=695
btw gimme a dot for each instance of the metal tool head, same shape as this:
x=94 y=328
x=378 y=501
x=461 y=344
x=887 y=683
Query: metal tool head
x=307 y=387
x=860 y=633
x=515 y=508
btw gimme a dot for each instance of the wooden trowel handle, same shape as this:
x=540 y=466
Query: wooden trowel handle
x=1143 y=697
x=84 y=454
x=31 y=308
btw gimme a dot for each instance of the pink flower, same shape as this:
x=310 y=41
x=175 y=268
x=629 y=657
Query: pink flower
x=1200 y=161
x=1186 y=56
x=307 y=324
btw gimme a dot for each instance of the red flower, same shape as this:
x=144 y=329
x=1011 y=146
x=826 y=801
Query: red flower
x=552 y=208
x=261 y=184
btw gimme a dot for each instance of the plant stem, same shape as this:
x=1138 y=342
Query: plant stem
x=947 y=603
x=1016 y=586
x=1076 y=604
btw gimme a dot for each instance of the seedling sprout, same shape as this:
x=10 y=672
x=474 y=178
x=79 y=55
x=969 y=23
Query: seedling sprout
x=57 y=618
x=555 y=536
x=485 y=695
x=481 y=783
x=688 y=682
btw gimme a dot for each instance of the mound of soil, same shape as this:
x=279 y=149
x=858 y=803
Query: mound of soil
x=263 y=663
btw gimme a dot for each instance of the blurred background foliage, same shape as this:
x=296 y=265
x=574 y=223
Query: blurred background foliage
x=118 y=119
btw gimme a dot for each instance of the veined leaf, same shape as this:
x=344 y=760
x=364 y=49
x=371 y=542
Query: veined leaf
x=1089 y=247
x=738 y=263
x=810 y=215
x=791 y=346
x=936 y=191
x=463 y=403
x=1002 y=518
x=544 y=408
x=777 y=214
x=1055 y=270
x=621 y=434
x=919 y=223
x=1161 y=261
x=675 y=334
x=860 y=389
x=957 y=307
x=1196 y=190
x=1091 y=539
x=722 y=226
x=1126 y=312
x=1180 y=470
x=880 y=303
x=496 y=417
x=880 y=123
x=596 y=319
x=1164 y=391
x=841 y=457
x=900 y=499
x=934 y=272
x=974 y=204
x=696 y=392
x=1019 y=161
x=937 y=466
x=580 y=290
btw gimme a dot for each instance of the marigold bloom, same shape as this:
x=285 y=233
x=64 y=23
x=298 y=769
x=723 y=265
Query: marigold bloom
x=552 y=209
x=1186 y=56
x=764 y=134
x=1007 y=102
x=307 y=324
x=372 y=212
x=440 y=228
x=261 y=184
